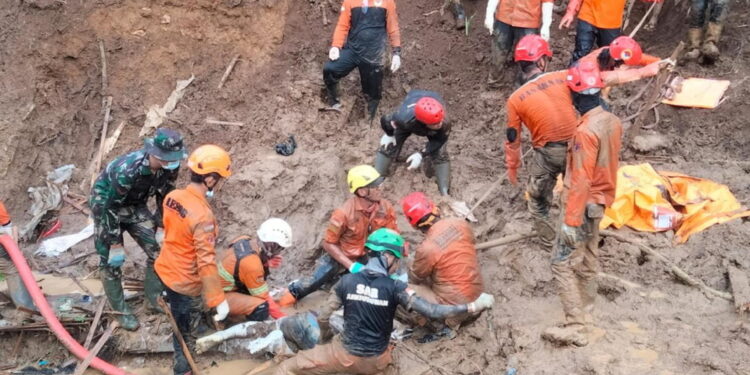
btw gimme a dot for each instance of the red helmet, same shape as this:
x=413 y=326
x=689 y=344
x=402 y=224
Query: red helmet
x=416 y=206
x=585 y=77
x=429 y=111
x=531 y=48
x=626 y=49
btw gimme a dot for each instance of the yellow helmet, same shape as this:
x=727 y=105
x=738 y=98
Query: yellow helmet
x=210 y=159
x=363 y=176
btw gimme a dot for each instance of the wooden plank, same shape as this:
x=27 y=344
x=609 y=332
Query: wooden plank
x=99 y=345
x=740 y=289
x=95 y=323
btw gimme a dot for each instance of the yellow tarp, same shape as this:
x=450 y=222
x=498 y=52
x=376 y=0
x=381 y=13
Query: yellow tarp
x=699 y=93
x=653 y=202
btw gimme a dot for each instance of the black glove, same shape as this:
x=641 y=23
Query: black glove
x=286 y=148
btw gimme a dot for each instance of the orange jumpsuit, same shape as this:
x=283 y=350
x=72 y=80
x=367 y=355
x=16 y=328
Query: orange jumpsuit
x=447 y=261
x=624 y=74
x=351 y=223
x=590 y=183
x=604 y=14
x=187 y=262
x=521 y=13
x=251 y=290
x=4 y=216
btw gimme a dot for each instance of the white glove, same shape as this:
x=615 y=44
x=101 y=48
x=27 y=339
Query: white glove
x=489 y=17
x=414 y=160
x=483 y=302
x=546 y=20
x=159 y=236
x=386 y=141
x=333 y=54
x=395 y=63
x=222 y=311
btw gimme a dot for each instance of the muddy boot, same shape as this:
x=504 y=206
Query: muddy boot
x=544 y=231
x=443 y=176
x=382 y=163
x=112 y=284
x=372 y=109
x=458 y=13
x=695 y=35
x=332 y=92
x=152 y=288
x=572 y=334
x=710 y=49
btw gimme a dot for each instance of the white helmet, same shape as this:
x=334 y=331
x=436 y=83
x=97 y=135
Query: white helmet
x=276 y=230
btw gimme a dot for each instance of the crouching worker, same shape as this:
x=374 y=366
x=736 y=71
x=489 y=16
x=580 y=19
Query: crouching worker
x=370 y=299
x=245 y=266
x=445 y=268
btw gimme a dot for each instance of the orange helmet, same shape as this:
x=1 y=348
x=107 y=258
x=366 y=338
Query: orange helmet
x=626 y=49
x=210 y=159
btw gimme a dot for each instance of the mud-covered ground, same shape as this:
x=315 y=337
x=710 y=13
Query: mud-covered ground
x=51 y=114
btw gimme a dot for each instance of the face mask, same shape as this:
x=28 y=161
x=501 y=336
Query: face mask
x=585 y=103
x=172 y=165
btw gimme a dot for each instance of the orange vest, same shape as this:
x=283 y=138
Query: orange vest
x=350 y=224
x=521 y=13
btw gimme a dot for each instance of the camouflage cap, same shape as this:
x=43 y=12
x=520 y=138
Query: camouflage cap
x=166 y=145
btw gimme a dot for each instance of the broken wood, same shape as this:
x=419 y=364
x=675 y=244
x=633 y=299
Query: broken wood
x=83 y=287
x=504 y=240
x=494 y=186
x=76 y=260
x=260 y=368
x=99 y=345
x=654 y=98
x=626 y=283
x=677 y=271
x=13 y=354
x=103 y=56
x=323 y=12
x=40 y=326
x=228 y=71
x=95 y=323
x=97 y=162
x=640 y=24
x=740 y=289
x=76 y=205
x=217 y=122
x=178 y=334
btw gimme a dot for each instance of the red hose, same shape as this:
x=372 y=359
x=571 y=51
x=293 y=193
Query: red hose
x=41 y=303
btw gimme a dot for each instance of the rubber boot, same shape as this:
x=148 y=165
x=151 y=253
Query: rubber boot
x=443 y=176
x=710 y=47
x=112 y=284
x=372 y=108
x=695 y=35
x=152 y=288
x=459 y=15
x=544 y=231
x=382 y=163
x=332 y=92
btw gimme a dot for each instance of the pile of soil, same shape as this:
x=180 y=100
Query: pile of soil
x=52 y=115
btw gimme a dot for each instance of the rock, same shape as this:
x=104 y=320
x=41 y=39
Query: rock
x=166 y=19
x=145 y=12
x=649 y=142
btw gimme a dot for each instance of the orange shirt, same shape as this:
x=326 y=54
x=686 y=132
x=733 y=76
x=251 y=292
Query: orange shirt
x=187 y=261
x=604 y=14
x=350 y=224
x=545 y=106
x=649 y=67
x=521 y=13
x=447 y=261
x=251 y=272
x=4 y=216
x=593 y=158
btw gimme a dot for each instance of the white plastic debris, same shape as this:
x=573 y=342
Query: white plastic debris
x=57 y=245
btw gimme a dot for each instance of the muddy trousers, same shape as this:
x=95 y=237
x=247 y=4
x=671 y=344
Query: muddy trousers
x=439 y=158
x=425 y=292
x=575 y=269
x=333 y=359
x=708 y=10
x=184 y=309
x=370 y=76
x=588 y=35
x=547 y=163
x=16 y=288
x=139 y=222
x=327 y=270
x=505 y=39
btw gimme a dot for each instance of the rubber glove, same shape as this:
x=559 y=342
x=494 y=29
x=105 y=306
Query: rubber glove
x=356 y=267
x=387 y=141
x=483 y=302
x=571 y=236
x=333 y=54
x=546 y=20
x=415 y=160
x=395 y=63
x=513 y=176
x=116 y=255
x=275 y=261
x=159 y=236
x=489 y=17
x=274 y=309
x=222 y=310
x=403 y=277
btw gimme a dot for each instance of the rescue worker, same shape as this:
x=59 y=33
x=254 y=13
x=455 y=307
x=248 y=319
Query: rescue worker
x=119 y=202
x=348 y=228
x=16 y=288
x=422 y=113
x=370 y=299
x=511 y=20
x=599 y=23
x=545 y=106
x=245 y=266
x=623 y=61
x=713 y=11
x=445 y=268
x=359 y=42
x=590 y=181
x=187 y=262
